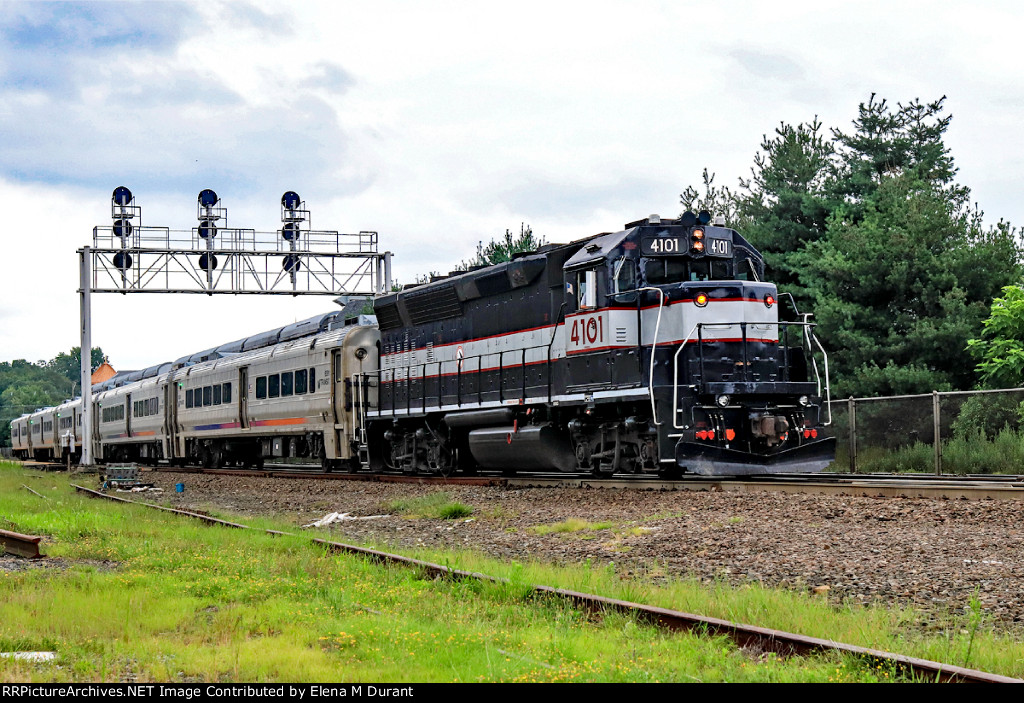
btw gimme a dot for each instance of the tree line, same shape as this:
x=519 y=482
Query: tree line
x=871 y=232
x=26 y=386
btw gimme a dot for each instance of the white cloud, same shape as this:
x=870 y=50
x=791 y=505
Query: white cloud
x=436 y=124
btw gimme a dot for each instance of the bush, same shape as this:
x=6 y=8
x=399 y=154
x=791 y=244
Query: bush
x=988 y=415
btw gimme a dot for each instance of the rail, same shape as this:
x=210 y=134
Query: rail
x=21 y=545
x=785 y=643
x=782 y=340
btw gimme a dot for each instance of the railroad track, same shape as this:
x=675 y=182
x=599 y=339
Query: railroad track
x=891 y=485
x=784 y=643
x=973 y=487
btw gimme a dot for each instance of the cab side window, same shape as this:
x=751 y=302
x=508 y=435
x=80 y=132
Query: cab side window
x=586 y=289
x=624 y=278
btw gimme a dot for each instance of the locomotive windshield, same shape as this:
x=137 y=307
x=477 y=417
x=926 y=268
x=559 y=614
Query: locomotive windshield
x=666 y=270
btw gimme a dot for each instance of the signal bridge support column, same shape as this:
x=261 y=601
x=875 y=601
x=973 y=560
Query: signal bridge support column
x=86 y=358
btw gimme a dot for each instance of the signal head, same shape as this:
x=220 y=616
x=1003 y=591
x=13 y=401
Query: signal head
x=290 y=200
x=122 y=196
x=207 y=229
x=122 y=228
x=123 y=260
x=207 y=198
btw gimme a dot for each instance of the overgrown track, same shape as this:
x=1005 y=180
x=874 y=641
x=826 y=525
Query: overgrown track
x=744 y=635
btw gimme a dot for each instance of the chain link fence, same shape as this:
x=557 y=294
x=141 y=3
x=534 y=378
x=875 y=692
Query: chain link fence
x=959 y=432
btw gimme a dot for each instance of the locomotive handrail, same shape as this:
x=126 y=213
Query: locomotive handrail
x=675 y=373
x=698 y=327
x=405 y=373
x=654 y=346
x=828 y=389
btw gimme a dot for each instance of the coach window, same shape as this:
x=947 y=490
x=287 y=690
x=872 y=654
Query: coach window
x=207 y=396
x=188 y=398
x=300 y=381
x=227 y=392
x=312 y=380
x=286 y=383
x=261 y=387
x=275 y=385
x=216 y=394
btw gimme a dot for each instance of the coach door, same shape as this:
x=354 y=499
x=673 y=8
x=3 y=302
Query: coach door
x=128 y=411
x=169 y=407
x=243 y=397
x=339 y=396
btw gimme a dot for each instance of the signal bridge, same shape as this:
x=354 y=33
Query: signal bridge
x=213 y=258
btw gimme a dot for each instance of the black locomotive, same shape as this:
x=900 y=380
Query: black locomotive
x=657 y=349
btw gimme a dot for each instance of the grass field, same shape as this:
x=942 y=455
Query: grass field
x=135 y=594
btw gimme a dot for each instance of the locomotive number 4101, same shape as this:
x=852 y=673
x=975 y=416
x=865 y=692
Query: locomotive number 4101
x=586 y=332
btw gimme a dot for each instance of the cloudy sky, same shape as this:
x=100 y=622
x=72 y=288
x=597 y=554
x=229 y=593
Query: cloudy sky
x=437 y=124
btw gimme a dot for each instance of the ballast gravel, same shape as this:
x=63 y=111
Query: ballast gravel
x=930 y=553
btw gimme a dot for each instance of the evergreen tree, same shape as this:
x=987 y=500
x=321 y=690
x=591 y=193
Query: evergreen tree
x=500 y=250
x=906 y=269
x=870 y=231
x=785 y=203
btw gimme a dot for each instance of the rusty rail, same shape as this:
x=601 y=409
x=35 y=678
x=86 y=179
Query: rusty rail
x=34 y=492
x=785 y=643
x=21 y=545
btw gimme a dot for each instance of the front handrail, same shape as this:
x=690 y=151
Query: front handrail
x=698 y=327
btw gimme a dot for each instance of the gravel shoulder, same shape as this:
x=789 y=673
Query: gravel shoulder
x=933 y=554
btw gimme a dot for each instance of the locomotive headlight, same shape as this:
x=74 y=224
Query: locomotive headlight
x=698 y=234
x=804 y=400
x=701 y=300
x=722 y=401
